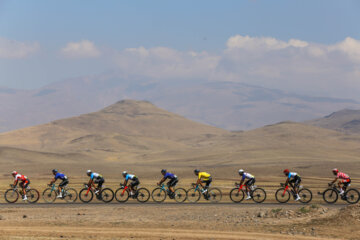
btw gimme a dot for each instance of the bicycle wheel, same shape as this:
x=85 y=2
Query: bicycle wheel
x=258 y=195
x=70 y=195
x=352 y=196
x=143 y=195
x=11 y=196
x=158 y=195
x=33 y=195
x=86 y=196
x=121 y=195
x=49 y=195
x=282 y=197
x=193 y=195
x=305 y=195
x=107 y=195
x=236 y=195
x=214 y=195
x=180 y=195
x=330 y=195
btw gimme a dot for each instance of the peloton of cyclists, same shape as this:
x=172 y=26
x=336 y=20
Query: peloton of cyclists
x=134 y=182
x=343 y=178
x=249 y=183
x=172 y=183
x=24 y=183
x=64 y=181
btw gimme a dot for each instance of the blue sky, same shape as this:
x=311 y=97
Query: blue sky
x=46 y=27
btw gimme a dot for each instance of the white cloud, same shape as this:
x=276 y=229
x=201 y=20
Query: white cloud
x=349 y=46
x=262 y=43
x=11 y=49
x=82 y=49
x=293 y=65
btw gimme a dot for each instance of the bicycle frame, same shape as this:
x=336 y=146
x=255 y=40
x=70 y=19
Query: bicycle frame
x=124 y=189
x=286 y=188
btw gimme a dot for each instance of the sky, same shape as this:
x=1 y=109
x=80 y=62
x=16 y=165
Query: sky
x=308 y=47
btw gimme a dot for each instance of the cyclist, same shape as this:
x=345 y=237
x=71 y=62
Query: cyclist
x=95 y=178
x=172 y=183
x=294 y=180
x=63 y=178
x=249 y=183
x=24 y=183
x=203 y=177
x=345 y=180
x=134 y=182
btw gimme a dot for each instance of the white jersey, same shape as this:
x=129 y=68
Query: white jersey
x=247 y=176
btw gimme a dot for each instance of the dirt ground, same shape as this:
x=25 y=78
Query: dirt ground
x=178 y=221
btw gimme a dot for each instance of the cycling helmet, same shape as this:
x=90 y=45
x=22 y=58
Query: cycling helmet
x=54 y=171
x=241 y=172
x=88 y=172
x=14 y=173
x=335 y=171
x=286 y=171
x=163 y=170
x=124 y=173
x=196 y=171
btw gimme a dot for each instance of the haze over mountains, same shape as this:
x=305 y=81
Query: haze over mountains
x=137 y=135
x=346 y=120
x=228 y=105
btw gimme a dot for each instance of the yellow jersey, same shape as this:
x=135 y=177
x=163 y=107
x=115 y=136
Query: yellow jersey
x=204 y=176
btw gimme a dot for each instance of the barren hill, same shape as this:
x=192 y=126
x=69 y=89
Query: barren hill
x=138 y=136
x=346 y=120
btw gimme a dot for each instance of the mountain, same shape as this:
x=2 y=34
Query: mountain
x=228 y=105
x=140 y=137
x=346 y=120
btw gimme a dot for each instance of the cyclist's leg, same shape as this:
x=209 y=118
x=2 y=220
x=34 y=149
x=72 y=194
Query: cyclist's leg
x=133 y=185
x=172 y=183
x=340 y=187
x=297 y=184
x=207 y=183
x=100 y=183
x=24 y=185
x=346 y=184
x=63 y=184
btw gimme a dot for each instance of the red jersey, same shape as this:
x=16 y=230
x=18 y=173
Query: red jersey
x=342 y=175
x=20 y=177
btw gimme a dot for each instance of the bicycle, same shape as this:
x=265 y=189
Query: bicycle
x=331 y=195
x=237 y=194
x=212 y=194
x=87 y=194
x=68 y=194
x=12 y=195
x=122 y=194
x=159 y=194
x=282 y=195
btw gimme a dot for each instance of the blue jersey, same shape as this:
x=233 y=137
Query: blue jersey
x=95 y=176
x=292 y=175
x=60 y=176
x=169 y=175
x=130 y=177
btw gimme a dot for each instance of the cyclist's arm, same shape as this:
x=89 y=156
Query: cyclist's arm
x=287 y=181
x=334 y=180
x=91 y=183
x=241 y=181
x=125 y=182
x=199 y=182
x=53 y=181
x=15 y=182
x=161 y=181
